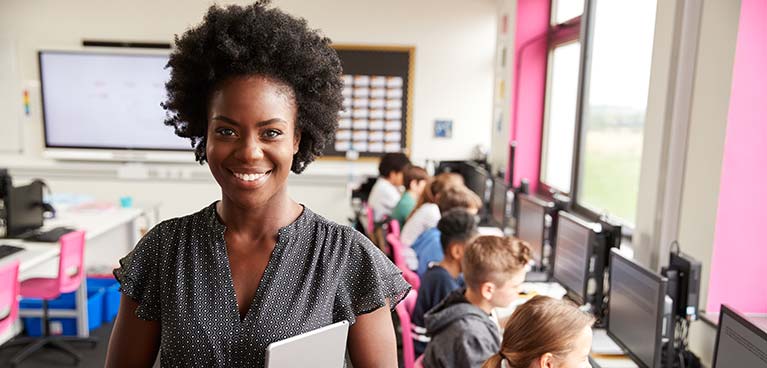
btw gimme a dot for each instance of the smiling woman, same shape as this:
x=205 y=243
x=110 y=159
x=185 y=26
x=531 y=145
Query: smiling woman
x=258 y=94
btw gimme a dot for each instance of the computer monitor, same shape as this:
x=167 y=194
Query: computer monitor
x=686 y=289
x=531 y=224
x=572 y=259
x=739 y=342
x=478 y=180
x=636 y=310
x=498 y=203
x=24 y=208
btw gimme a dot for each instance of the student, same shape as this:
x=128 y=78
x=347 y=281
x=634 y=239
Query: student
x=463 y=332
x=415 y=180
x=426 y=213
x=457 y=227
x=427 y=247
x=258 y=93
x=545 y=333
x=386 y=193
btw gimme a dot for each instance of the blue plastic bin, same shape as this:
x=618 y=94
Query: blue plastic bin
x=33 y=325
x=111 y=295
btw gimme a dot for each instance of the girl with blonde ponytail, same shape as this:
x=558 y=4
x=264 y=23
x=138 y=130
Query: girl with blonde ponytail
x=545 y=333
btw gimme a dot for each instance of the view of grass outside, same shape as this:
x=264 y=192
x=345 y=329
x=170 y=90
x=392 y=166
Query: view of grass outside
x=611 y=158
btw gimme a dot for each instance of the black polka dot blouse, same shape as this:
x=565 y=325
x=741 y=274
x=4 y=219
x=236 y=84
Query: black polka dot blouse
x=319 y=273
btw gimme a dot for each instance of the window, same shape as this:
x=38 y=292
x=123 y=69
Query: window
x=559 y=120
x=614 y=108
x=559 y=126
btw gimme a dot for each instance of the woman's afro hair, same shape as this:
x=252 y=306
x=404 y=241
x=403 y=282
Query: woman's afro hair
x=255 y=40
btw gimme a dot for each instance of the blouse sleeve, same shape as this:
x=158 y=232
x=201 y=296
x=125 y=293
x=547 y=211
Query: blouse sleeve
x=139 y=275
x=368 y=281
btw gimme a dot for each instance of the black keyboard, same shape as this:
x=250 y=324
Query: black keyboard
x=49 y=236
x=7 y=250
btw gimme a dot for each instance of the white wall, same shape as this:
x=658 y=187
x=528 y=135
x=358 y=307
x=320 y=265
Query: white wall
x=453 y=77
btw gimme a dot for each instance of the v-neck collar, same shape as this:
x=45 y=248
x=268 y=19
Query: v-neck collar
x=284 y=236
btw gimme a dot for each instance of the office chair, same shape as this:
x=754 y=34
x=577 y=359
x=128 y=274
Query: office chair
x=71 y=272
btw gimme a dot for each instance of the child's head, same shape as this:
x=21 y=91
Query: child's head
x=457 y=227
x=439 y=184
x=392 y=167
x=415 y=179
x=545 y=333
x=459 y=197
x=494 y=267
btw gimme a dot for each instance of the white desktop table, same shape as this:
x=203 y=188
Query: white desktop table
x=109 y=233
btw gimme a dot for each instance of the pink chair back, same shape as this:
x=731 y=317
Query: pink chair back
x=408 y=352
x=418 y=362
x=71 y=265
x=399 y=260
x=9 y=295
x=410 y=300
x=371 y=220
x=394 y=228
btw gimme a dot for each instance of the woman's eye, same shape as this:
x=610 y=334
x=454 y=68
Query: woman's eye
x=272 y=133
x=225 y=131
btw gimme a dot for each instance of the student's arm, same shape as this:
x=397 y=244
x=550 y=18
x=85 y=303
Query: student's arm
x=134 y=342
x=371 y=340
x=473 y=351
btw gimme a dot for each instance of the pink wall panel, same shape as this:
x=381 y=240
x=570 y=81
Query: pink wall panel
x=739 y=262
x=530 y=83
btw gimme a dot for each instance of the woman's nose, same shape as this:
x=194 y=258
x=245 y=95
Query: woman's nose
x=251 y=150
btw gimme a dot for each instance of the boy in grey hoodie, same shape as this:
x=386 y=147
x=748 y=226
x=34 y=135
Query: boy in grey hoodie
x=463 y=331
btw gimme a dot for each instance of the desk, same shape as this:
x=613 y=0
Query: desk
x=109 y=234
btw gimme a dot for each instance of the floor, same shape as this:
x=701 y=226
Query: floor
x=53 y=358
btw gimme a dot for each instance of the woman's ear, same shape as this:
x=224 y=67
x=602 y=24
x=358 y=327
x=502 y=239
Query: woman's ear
x=296 y=141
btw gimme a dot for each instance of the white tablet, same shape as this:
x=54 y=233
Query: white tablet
x=324 y=347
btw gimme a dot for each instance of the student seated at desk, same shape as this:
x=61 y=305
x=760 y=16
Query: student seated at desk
x=415 y=181
x=463 y=331
x=545 y=333
x=456 y=228
x=426 y=212
x=386 y=193
x=427 y=247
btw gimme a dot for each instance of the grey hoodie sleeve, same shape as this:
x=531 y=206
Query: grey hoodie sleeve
x=473 y=350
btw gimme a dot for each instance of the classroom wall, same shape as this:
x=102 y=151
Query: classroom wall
x=453 y=75
x=708 y=123
x=739 y=254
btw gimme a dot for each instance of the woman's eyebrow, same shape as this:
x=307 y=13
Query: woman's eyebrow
x=259 y=124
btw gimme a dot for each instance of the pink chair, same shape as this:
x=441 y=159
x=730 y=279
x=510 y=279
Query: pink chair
x=9 y=295
x=371 y=227
x=399 y=260
x=408 y=352
x=418 y=362
x=410 y=300
x=394 y=228
x=71 y=272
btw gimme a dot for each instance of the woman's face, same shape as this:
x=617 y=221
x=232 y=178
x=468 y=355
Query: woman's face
x=251 y=138
x=579 y=356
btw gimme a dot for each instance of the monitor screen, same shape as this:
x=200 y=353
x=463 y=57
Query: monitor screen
x=476 y=178
x=573 y=254
x=635 y=312
x=106 y=101
x=24 y=210
x=739 y=343
x=531 y=224
x=498 y=202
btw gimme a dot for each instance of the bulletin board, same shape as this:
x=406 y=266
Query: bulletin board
x=377 y=113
